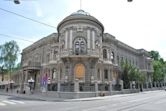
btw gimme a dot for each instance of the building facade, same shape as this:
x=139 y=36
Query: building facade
x=80 y=57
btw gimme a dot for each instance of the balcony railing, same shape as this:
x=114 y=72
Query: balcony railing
x=76 y=54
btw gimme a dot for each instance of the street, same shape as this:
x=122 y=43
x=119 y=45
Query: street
x=145 y=101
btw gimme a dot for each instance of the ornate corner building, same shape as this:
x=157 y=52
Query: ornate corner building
x=80 y=58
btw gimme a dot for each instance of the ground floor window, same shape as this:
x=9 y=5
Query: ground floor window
x=105 y=74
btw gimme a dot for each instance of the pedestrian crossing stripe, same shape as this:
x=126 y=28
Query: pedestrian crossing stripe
x=8 y=102
x=20 y=102
x=11 y=102
x=2 y=104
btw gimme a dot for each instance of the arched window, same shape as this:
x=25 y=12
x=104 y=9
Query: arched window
x=104 y=53
x=112 y=57
x=98 y=74
x=54 y=73
x=77 y=47
x=80 y=46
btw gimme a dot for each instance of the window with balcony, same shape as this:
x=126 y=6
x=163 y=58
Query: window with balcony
x=80 y=46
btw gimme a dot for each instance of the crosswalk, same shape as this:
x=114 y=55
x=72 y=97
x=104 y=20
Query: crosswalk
x=10 y=102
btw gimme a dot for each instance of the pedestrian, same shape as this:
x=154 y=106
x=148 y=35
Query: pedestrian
x=7 y=89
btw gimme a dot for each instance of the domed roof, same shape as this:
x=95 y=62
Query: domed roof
x=80 y=15
x=80 y=12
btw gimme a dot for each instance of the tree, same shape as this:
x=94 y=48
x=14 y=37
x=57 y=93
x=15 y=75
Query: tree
x=125 y=74
x=130 y=74
x=9 y=53
x=155 y=55
x=158 y=66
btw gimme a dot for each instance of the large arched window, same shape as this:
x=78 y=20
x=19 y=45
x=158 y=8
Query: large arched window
x=104 y=53
x=80 y=46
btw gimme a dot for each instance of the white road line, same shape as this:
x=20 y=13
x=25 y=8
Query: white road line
x=8 y=102
x=2 y=104
x=20 y=102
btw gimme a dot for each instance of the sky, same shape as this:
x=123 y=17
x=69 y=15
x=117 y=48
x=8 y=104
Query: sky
x=140 y=24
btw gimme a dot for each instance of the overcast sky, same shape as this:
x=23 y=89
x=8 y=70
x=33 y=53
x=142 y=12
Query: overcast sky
x=140 y=24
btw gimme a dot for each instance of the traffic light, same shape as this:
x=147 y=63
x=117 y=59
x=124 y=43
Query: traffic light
x=17 y=1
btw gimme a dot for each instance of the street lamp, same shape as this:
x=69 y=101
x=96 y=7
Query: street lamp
x=17 y=1
x=129 y=0
x=31 y=83
x=11 y=84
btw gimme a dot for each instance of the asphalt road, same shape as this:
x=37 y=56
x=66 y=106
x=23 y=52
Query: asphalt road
x=146 y=101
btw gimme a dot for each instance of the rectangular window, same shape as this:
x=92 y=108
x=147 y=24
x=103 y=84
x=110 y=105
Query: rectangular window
x=105 y=74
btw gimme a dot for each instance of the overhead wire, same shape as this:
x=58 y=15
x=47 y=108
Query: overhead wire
x=33 y=20
x=27 y=18
x=5 y=35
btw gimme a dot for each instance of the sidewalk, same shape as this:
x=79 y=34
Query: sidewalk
x=35 y=96
x=46 y=97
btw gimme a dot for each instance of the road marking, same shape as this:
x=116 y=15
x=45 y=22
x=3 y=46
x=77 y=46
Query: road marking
x=20 y=102
x=2 y=104
x=9 y=102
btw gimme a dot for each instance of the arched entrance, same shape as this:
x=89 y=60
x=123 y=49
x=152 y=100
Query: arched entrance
x=79 y=71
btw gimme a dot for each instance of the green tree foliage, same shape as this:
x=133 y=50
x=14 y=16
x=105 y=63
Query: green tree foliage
x=155 y=55
x=159 y=66
x=129 y=74
x=8 y=54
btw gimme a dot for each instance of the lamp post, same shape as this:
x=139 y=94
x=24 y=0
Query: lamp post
x=11 y=84
x=31 y=84
x=129 y=0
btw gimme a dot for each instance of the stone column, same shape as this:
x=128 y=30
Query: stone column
x=151 y=85
x=71 y=39
x=59 y=86
x=147 y=85
x=121 y=83
x=131 y=85
x=26 y=76
x=93 y=40
x=109 y=74
x=88 y=38
x=66 y=38
x=110 y=85
x=76 y=85
x=155 y=84
x=96 y=88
